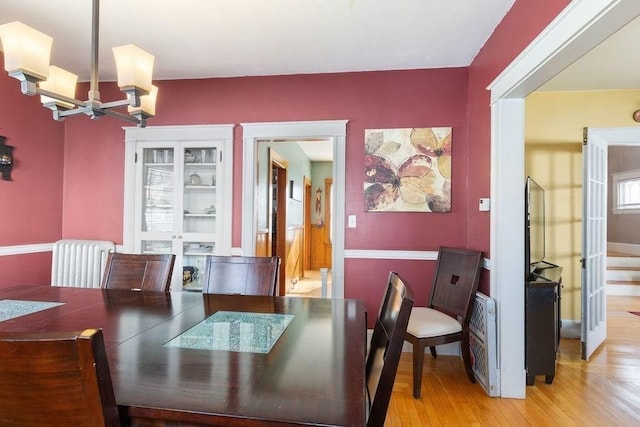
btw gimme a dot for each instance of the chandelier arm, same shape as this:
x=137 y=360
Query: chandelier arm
x=98 y=112
x=121 y=116
x=115 y=104
x=74 y=112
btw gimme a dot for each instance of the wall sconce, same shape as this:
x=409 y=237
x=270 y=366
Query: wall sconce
x=6 y=159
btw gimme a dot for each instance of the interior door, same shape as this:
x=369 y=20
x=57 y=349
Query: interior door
x=594 y=242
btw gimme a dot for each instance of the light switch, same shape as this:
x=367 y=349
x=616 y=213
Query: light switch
x=352 y=221
x=485 y=205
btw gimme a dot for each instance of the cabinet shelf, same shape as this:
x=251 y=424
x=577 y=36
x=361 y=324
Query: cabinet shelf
x=199 y=187
x=163 y=187
x=198 y=253
x=148 y=252
x=198 y=165
x=200 y=215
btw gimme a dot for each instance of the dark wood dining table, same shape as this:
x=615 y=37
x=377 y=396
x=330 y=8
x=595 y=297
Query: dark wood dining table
x=314 y=374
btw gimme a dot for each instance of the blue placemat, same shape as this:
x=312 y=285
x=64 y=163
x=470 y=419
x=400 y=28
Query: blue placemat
x=235 y=331
x=10 y=309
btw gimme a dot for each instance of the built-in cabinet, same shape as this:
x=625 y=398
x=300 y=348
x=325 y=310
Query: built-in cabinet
x=178 y=188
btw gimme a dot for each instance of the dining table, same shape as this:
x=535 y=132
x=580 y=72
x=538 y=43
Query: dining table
x=186 y=358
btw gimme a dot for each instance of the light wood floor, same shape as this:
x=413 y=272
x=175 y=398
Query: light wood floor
x=603 y=392
x=309 y=286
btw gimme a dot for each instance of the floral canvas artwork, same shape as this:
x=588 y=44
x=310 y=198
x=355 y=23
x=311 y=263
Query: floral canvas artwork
x=407 y=170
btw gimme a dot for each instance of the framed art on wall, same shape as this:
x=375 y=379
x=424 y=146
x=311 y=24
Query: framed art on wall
x=407 y=170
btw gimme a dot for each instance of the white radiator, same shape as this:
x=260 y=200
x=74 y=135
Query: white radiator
x=79 y=263
x=483 y=344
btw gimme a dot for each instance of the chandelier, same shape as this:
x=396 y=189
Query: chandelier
x=27 y=55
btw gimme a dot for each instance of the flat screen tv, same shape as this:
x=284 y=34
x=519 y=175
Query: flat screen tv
x=534 y=241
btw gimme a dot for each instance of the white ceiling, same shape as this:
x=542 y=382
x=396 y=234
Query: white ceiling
x=221 y=38
x=224 y=38
x=613 y=64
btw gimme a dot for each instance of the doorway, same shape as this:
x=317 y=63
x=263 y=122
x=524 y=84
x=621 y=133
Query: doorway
x=333 y=130
x=574 y=32
x=299 y=228
x=277 y=210
x=594 y=315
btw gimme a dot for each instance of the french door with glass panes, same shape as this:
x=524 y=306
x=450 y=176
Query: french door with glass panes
x=181 y=203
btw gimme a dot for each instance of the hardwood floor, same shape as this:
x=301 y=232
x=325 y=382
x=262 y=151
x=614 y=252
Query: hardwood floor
x=603 y=392
x=309 y=286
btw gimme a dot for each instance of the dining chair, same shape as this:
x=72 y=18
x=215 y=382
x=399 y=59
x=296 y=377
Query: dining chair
x=385 y=347
x=139 y=272
x=241 y=275
x=446 y=319
x=59 y=378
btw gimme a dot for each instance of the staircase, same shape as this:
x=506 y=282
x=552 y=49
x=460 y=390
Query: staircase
x=623 y=274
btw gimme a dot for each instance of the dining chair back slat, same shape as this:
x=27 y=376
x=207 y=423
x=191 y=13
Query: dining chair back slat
x=241 y=275
x=141 y=272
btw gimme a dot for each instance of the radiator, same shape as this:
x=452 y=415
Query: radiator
x=79 y=263
x=483 y=344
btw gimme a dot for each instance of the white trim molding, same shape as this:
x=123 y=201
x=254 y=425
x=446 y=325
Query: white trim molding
x=581 y=26
x=382 y=254
x=404 y=255
x=25 y=249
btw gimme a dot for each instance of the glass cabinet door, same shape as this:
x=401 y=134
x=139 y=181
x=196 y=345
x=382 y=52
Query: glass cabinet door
x=199 y=217
x=199 y=197
x=158 y=195
x=193 y=263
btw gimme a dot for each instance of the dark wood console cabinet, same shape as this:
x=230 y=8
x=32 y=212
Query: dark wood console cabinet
x=542 y=321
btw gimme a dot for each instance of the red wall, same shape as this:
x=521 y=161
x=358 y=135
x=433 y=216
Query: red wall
x=525 y=20
x=368 y=100
x=94 y=152
x=30 y=204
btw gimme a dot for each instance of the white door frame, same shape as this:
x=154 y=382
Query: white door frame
x=336 y=130
x=575 y=31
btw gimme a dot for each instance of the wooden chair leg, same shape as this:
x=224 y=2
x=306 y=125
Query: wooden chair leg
x=433 y=351
x=418 y=361
x=466 y=357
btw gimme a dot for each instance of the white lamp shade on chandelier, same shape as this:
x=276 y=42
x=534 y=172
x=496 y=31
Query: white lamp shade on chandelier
x=27 y=54
x=134 y=67
x=61 y=82
x=147 y=103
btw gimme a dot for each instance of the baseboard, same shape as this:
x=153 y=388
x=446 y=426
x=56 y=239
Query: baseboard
x=571 y=329
x=624 y=290
x=25 y=249
x=627 y=248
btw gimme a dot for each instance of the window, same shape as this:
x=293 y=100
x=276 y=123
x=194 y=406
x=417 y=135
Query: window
x=626 y=192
